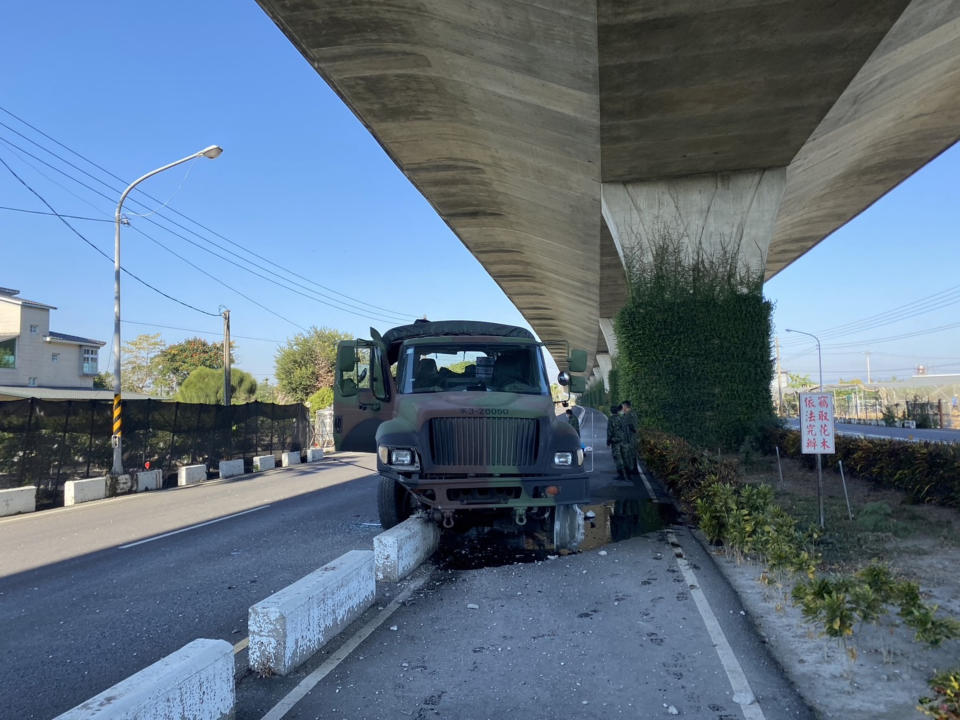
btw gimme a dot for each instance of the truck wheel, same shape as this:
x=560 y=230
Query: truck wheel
x=568 y=527
x=394 y=503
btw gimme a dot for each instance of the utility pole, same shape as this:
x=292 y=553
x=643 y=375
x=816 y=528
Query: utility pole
x=226 y=357
x=869 y=380
x=779 y=383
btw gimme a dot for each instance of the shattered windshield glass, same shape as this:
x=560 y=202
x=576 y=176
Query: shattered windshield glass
x=473 y=367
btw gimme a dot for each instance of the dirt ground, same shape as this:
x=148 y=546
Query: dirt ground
x=918 y=542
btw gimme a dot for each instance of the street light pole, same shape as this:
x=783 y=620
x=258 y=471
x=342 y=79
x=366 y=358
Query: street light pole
x=209 y=152
x=819 y=459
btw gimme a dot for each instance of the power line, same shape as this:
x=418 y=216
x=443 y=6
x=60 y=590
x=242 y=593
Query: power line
x=195 y=222
x=41 y=212
x=338 y=306
x=216 y=333
x=88 y=242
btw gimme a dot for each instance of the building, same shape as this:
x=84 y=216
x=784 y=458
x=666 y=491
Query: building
x=34 y=356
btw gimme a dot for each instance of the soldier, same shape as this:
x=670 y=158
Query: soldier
x=629 y=421
x=616 y=440
x=572 y=419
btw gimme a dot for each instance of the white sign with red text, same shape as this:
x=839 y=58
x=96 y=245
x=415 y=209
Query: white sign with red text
x=816 y=423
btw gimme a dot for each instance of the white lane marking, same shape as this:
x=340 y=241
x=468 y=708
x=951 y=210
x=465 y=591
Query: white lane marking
x=738 y=680
x=192 y=527
x=241 y=645
x=311 y=680
x=646 y=483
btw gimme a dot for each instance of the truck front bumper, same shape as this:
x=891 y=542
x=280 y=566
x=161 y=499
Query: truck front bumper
x=485 y=492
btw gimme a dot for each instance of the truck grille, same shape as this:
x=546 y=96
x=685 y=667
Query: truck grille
x=476 y=441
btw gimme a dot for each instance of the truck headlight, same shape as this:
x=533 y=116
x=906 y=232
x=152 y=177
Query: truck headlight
x=563 y=458
x=401 y=456
x=382 y=452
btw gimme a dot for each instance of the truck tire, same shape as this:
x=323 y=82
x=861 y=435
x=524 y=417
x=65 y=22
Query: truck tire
x=393 y=503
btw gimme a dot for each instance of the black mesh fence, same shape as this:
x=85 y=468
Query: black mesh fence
x=47 y=442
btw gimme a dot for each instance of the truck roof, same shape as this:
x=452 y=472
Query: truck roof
x=440 y=328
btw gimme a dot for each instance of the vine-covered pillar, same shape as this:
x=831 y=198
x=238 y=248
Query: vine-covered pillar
x=692 y=338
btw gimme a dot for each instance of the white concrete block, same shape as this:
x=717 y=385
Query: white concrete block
x=123 y=485
x=314 y=455
x=290 y=458
x=196 y=681
x=398 y=551
x=291 y=625
x=229 y=468
x=78 y=491
x=148 y=480
x=264 y=462
x=191 y=474
x=18 y=500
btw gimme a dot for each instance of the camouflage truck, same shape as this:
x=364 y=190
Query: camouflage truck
x=462 y=421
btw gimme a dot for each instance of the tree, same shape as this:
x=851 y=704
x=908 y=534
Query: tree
x=103 y=381
x=266 y=392
x=799 y=382
x=138 y=367
x=306 y=363
x=205 y=385
x=177 y=361
x=322 y=398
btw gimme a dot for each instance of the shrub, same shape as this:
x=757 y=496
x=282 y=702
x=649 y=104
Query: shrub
x=927 y=472
x=945 y=705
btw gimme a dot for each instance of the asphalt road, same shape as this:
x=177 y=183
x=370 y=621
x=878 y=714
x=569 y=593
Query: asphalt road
x=90 y=595
x=81 y=609
x=894 y=433
x=608 y=633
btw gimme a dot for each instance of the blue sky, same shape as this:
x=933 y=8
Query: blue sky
x=303 y=184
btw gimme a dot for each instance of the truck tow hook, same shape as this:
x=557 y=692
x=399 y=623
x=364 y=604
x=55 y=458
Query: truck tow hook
x=520 y=516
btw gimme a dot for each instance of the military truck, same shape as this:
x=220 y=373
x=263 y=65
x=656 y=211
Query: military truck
x=464 y=426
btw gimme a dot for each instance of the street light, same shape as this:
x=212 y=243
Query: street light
x=819 y=461
x=211 y=152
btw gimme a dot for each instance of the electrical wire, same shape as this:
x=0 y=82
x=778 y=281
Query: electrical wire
x=201 y=332
x=404 y=316
x=41 y=212
x=88 y=242
x=336 y=305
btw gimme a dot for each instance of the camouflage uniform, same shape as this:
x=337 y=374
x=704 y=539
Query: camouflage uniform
x=574 y=422
x=617 y=440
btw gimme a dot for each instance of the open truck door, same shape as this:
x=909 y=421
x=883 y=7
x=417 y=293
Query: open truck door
x=362 y=395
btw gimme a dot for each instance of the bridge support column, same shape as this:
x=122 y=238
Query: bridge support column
x=604 y=365
x=732 y=211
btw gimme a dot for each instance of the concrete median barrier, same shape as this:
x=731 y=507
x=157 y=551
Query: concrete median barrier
x=231 y=468
x=194 y=682
x=292 y=624
x=398 y=551
x=264 y=462
x=314 y=455
x=148 y=480
x=290 y=458
x=191 y=474
x=80 y=491
x=18 y=500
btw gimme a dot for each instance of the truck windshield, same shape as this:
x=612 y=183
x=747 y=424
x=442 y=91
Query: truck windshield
x=472 y=367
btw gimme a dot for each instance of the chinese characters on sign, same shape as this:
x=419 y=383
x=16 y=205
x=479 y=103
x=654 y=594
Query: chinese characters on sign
x=816 y=423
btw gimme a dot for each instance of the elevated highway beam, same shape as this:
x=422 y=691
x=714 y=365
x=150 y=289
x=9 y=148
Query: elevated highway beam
x=549 y=133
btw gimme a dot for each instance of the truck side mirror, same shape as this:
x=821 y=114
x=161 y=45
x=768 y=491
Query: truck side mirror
x=563 y=378
x=578 y=384
x=346 y=357
x=577 y=362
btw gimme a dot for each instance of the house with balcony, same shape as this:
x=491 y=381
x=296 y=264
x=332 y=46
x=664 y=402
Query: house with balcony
x=36 y=361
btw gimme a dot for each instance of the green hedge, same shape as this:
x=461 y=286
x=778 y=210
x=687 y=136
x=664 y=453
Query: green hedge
x=694 y=346
x=927 y=472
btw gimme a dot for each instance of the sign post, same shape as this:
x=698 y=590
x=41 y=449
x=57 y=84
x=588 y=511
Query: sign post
x=817 y=433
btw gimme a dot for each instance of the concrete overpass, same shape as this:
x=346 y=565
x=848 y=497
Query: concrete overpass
x=580 y=129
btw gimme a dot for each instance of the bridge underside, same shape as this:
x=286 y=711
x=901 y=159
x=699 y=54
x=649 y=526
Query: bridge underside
x=557 y=137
